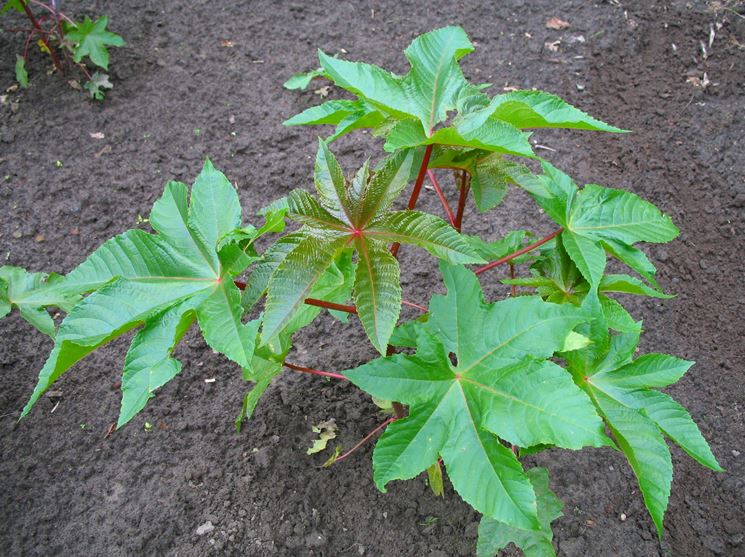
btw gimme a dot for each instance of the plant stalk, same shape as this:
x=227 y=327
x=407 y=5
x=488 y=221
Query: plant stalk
x=465 y=185
x=365 y=439
x=312 y=371
x=417 y=189
x=42 y=35
x=519 y=252
x=441 y=196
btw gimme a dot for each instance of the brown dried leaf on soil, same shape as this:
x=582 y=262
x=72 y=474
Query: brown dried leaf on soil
x=557 y=24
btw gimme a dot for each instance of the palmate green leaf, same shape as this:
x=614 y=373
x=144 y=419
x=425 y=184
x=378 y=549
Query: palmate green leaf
x=426 y=93
x=501 y=386
x=350 y=214
x=162 y=282
x=408 y=109
x=90 y=38
x=623 y=390
x=495 y=535
x=31 y=293
x=596 y=219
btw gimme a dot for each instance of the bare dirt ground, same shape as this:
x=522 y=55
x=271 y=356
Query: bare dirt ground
x=181 y=95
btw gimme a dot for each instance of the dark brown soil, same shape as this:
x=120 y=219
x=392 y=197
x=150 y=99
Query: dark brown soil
x=179 y=96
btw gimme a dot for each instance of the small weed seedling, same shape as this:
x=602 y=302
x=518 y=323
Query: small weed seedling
x=474 y=386
x=65 y=41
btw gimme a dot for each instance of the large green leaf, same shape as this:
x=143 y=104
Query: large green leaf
x=428 y=92
x=31 y=293
x=495 y=535
x=410 y=110
x=623 y=390
x=501 y=386
x=161 y=282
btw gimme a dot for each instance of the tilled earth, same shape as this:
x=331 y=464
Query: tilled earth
x=203 y=78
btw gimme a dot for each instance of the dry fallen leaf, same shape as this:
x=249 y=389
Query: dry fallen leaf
x=226 y=43
x=557 y=24
x=554 y=46
x=326 y=431
x=39 y=238
x=75 y=85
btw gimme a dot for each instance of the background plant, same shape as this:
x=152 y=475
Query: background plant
x=476 y=386
x=66 y=41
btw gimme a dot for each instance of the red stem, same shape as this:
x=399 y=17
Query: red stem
x=330 y=305
x=41 y=33
x=417 y=189
x=313 y=371
x=464 y=187
x=340 y=307
x=438 y=191
x=415 y=306
x=519 y=252
x=365 y=439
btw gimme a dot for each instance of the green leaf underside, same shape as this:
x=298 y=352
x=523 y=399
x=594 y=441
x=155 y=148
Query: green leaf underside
x=498 y=388
x=351 y=214
x=495 y=535
x=21 y=73
x=623 y=391
x=162 y=281
x=302 y=80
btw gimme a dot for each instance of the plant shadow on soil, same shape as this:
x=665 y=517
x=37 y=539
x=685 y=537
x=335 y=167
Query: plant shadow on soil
x=67 y=490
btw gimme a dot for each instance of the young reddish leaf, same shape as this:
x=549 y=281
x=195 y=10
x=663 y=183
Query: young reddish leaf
x=377 y=292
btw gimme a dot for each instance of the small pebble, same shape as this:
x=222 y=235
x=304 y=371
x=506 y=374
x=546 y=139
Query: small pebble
x=623 y=517
x=205 y=528
x=735 y=453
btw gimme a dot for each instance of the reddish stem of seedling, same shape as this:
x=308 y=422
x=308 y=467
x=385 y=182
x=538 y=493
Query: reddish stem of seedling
x=519 y=252
x=415 y=306
x=40 y=30
x=365 y=439
x=312 y=371
x=330 y=305
x=441 y=196
x=417 y=189
x=465 y=183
